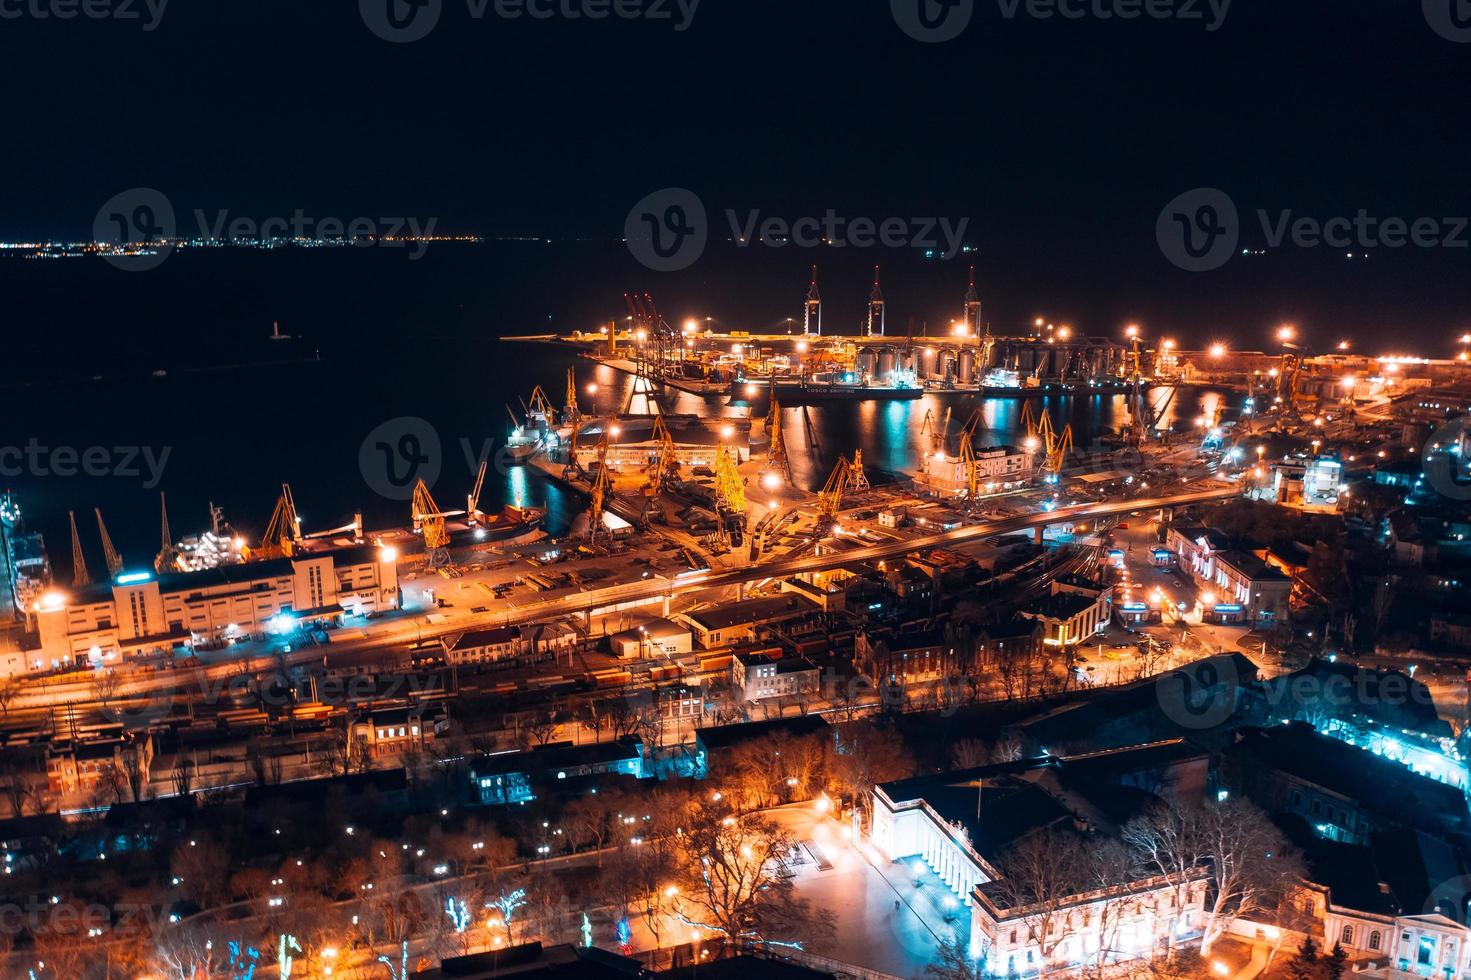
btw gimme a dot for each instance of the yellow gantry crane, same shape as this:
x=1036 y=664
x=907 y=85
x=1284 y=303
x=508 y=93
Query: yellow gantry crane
x=109 y=553
x=857 y=478
x=428 y=519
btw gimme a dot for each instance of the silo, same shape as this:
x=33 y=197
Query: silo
x=885 y=364
x=967 y=367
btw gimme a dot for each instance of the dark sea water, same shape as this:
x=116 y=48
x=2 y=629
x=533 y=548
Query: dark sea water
x=177 y=360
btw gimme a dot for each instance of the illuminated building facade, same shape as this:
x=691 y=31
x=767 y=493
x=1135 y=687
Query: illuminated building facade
x=139 y=614
x=959 y=825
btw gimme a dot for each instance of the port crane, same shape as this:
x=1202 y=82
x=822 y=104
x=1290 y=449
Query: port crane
x=601 y=487
x=664 y=463
x=730 y=496
x=109 y=553
x=472 y=501
x=571 y=411
x=283 y=531
x=830 y=499
x=857 y=478
x=428 y=519
x=167 y=559
x=776 y=452
x=80 y=575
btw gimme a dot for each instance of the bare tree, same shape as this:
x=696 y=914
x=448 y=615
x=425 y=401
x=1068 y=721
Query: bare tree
x=736 y=879
x=1251 y=864
x=9 y=689
x=1041 y=874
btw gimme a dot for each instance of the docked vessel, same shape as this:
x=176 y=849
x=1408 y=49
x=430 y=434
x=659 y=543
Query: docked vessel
x=844 y=386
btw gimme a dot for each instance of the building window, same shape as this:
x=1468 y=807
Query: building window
x=1348 y=936
x=1374 y=939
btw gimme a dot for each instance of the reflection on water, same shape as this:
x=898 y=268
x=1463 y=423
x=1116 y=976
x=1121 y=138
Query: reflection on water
x=890 y=432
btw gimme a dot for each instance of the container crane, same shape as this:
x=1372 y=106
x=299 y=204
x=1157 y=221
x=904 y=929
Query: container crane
x=109 y=553
x=80 y=575
x=428 y=519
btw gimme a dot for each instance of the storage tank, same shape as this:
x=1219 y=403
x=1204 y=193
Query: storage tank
x=866 y=361
x=945 y=363
x=967 y=370
x=885 y=364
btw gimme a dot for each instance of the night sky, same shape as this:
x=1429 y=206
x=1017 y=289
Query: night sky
x=1060 y=140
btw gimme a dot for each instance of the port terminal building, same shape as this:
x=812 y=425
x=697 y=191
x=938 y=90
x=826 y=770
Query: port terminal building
x=139 y=614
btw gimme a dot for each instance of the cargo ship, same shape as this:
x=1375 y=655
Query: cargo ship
x=841 y=386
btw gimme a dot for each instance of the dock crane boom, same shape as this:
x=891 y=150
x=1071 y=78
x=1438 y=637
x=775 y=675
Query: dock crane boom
x=472 y=502
x=830 y=500
x=109 y=553
x=428 y=519
x=80 y=575
x=601 y=487
x=167 y=559
x=283 y=531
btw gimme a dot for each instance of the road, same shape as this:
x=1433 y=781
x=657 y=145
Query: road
x=643 y=590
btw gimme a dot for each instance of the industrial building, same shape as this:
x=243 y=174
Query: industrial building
x=139 y=614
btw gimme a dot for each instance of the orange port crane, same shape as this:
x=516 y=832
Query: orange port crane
x=601 y=487
x=830 y=500
x=428 y=518
x=472 y=502
x=283 y=531
x=167 y=559
x=80 y=575
x=109 y=553
x=776 y=452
